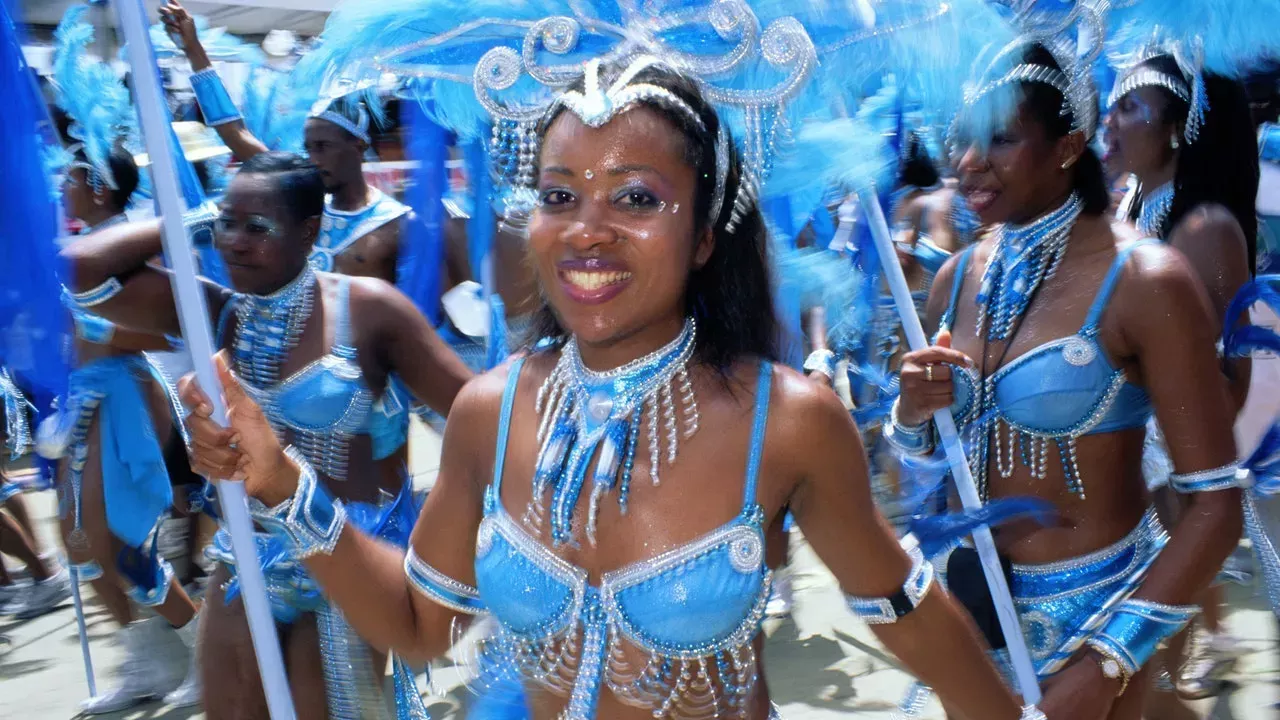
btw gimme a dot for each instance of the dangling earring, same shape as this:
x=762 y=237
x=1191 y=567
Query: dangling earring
x=1066 y=164
x=1173 y=141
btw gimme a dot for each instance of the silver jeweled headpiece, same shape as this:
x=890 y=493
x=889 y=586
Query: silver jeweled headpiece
x=1072 y=78
x=1188 y=85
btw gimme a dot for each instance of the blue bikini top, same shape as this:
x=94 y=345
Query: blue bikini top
x=330 y=396
x=1063 y=388
x=693 y=603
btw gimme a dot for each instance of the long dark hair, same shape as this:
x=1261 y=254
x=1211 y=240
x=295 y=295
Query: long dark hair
x=1221 y=166
x=1045 y=104
x=730 y=296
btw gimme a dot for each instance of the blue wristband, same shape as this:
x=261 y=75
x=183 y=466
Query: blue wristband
x=215 y=103
x=1137 y=627
x=311 y=521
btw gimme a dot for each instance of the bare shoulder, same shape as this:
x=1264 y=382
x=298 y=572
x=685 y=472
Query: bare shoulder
x=1159 y=282
x=1211 y=234
x=376 y=298
x=802 y=411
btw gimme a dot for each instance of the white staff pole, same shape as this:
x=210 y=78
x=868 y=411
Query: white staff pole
x=1023 y=669
x=80 y=625
x=194 y=316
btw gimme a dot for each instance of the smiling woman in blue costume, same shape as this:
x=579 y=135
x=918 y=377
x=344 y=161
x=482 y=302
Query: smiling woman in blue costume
x=1058 y=336
x=316 y=350
x=115 y=431
x=651 y=253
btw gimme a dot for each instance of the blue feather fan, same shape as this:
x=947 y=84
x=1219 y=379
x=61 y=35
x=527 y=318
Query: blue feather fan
x=32 y=321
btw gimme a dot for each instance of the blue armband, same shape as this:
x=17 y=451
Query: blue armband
x=215 y=103
x=1223 y=478
x=441 y=588
x=887 y=610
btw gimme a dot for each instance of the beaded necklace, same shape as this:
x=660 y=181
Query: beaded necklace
x=581 y=410
x=270 y=326
x=1023 y=258
x=1155 y=210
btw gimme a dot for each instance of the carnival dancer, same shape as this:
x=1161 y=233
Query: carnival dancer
x=650 y=249
x=318 y=350
x=117 y=420
x=1185 y=134
x=1054 y=394
x=360 y=231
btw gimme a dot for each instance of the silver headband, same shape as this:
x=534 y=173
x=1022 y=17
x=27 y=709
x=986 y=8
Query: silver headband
x=596 y=106
x=360 y=128
x=1189 y=87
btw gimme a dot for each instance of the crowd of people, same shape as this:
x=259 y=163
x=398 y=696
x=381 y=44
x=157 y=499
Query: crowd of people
x=656 y=326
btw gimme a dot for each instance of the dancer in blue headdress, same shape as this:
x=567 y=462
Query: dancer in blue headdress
x=116 y=422
x=651 y=250
x=1054 y=394
x=1179 y=123
x=360 y=232
x=318 y=349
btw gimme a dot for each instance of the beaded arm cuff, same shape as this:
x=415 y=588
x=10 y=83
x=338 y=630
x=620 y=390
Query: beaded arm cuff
x=885 y=611
x=212 y=96
x=1136 y=629
x=1222 y=478
x=441 y=588
x=910 y=440
x=311 y=521
x=98 y=295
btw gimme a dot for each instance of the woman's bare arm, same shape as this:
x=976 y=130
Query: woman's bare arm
x=363 y=576
x=834 y=508
x=1212 y=240
x=409 y=346
x=1168 y=323
x=122 y=252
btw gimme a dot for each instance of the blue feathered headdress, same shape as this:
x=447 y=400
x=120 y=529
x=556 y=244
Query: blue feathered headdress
x=1226 y=37
x=97 y=102
x=766 y=64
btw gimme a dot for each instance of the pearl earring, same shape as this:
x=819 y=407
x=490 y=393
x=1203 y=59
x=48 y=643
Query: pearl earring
x=1173 y=142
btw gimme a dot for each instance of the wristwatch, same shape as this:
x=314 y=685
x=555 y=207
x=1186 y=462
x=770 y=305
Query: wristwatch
x=1110 y=665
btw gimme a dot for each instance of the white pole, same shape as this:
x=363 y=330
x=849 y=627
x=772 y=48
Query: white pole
x=967 y=489
x=194 y=316
x=80 y=625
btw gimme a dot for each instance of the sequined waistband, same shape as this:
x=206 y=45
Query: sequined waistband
x=1045 y=581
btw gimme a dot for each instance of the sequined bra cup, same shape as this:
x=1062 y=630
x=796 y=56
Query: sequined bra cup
x=327 y=402
x=1057 y=392
x=692 y=612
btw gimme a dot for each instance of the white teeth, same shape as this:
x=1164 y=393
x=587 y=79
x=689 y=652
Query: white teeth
x=594 y=280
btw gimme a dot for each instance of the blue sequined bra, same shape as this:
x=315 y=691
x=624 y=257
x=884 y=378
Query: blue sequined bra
x=691 y=613
x=1055 y=393
x=327 y=402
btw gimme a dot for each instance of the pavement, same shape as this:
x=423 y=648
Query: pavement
x=820 y=662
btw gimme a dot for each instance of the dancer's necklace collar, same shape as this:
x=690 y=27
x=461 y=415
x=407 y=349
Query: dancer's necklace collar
x=1156 y=205
x=582 y=410
x=1023 y=257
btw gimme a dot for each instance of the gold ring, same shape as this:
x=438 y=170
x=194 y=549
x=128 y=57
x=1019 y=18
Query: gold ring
x=928 y=373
